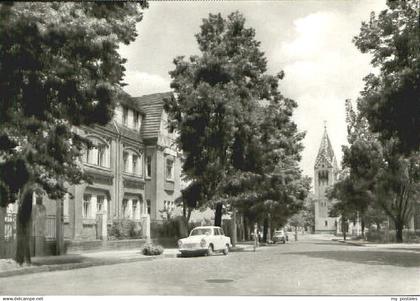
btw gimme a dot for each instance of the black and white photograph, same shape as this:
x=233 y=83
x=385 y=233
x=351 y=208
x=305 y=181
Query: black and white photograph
x=210 y=149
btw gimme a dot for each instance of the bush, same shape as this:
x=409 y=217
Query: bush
x=171 y=228
x=381 y=237
x=150 y=249
x=124 y=229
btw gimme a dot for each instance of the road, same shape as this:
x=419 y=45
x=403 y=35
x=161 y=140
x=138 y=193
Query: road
x=306 y=267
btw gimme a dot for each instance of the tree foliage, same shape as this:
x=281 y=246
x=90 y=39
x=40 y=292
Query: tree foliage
x=379 y=176
x=235 y=126
x=59 y=68
x=390 y=100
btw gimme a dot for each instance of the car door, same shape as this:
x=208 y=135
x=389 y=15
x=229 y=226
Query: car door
x=217 y=239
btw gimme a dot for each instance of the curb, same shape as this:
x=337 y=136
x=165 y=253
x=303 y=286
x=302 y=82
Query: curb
x=236 y=249
x=70 y=266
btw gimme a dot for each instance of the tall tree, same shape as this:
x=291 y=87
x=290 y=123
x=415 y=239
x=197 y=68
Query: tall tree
x=218 y=112
x=390 y=100
x=59 y=68
x=391 y=105
x=379 y=175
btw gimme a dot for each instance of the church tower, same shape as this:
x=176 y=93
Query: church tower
x=325 y=175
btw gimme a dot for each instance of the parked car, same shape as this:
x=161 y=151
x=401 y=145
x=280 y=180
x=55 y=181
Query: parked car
x=206 y=241
x=279 y=236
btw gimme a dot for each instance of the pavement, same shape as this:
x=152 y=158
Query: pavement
x=309 y=266
x=9 y=267
x=396 y=246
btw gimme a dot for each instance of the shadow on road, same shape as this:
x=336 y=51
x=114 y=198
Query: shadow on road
x=402 y=259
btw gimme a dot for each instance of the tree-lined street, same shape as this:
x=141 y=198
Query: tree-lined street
x=85 y=166
x=311 y=266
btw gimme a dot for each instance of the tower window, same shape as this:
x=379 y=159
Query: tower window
x=323 y=177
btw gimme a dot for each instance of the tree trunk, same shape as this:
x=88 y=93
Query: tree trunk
x=363 y=228
x=189 y=215
x=23 y=227
x=399 y=231
x=218 y=215
x=265 y=229
x=184 y=209
x=343 y=227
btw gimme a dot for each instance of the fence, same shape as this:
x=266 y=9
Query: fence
x=8 y=245
x=10 y=227
x=50 y=230
x=8 y=241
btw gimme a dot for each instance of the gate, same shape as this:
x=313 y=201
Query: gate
x=8 y=247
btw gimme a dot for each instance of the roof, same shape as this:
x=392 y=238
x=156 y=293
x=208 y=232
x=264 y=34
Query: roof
x=326 y=152
x=152 y=106
x=126 y=100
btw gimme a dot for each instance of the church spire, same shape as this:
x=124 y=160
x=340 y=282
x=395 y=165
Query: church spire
x=325 y=153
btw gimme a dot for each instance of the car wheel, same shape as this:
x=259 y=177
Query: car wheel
x=209 y=250
x=226 y=250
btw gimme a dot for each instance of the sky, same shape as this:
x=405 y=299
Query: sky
x=310 y=40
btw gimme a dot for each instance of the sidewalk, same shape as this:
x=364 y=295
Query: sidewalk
x=9 y=267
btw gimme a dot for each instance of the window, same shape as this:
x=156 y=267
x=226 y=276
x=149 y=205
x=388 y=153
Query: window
x=98 y=154
x=86 y=205
x=136 y=120
x=125 y=116
x=148 y=166
x=149 y=207
x=125 y=161
x=102 y=155
x=93 y=156
x=125 y=207
x=141 y=208
x=134 y=205
x=135 y=165
x=169 y=169
x=100 y=201
x=85 y=156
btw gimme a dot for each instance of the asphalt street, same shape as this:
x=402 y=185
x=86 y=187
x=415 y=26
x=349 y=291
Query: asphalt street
x=306 y=267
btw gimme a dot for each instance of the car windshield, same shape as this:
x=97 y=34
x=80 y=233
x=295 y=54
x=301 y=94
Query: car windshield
x=200 y=231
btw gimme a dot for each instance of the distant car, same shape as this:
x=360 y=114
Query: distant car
x=279 y=236
x=206 y=241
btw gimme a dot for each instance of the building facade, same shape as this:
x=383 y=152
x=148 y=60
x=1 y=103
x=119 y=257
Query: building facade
x=135 y=172
x=325 y=175
x=162 y=159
